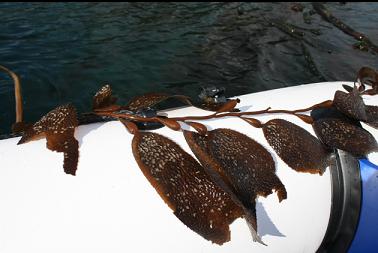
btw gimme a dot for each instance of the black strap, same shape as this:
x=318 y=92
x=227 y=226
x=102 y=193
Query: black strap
x=346 y=204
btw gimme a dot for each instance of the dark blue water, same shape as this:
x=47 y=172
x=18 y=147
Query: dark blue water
x=64 y=52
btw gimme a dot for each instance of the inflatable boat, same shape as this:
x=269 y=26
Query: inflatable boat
x=109 y=206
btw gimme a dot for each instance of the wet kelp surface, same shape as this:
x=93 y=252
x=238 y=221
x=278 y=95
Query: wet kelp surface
x=296 y=147
x=62 y=49
x=185 y=186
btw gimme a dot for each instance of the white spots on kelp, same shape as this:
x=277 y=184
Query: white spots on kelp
x=337 y=133
x=296 y=147
x=197 y=200
x=58 y=126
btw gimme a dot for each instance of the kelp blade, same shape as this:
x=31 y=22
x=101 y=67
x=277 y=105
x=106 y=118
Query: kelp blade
x=338 y=133
x=103 y=98
x=185 y=186
x=67 y=144
x=351 y=104
x=332 y=112
x=368 y=76
x=145 y=101
x=247 y=163
x=150 y=99
x=296 y=147
x=59 y=127
x=245 y=168
x=372 y=116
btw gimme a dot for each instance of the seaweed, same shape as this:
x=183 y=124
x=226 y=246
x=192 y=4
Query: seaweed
x=369 y=77
x=58 y=126
x=151 y=99
x=234 y=169
x=372 y=116
x=296 y=147
x=103 y=98
x=184 y=185
x=226 y=155
x=351 y=104
x=337 y=133
x=363 y=41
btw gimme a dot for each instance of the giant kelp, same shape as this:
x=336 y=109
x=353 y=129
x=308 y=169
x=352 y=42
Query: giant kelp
x=372 y=115
x=246 y=174
x=58 y=126
x=337 y=133
x=184 y=185
x=351 y=104
x=234 y=169
x=296 y=147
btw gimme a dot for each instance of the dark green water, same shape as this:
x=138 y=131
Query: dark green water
x=64 y=52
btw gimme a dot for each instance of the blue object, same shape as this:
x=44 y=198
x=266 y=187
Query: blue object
x=366 y=237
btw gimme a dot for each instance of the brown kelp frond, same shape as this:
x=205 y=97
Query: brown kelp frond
x=199 y=145
x=103 y=98
x=146 y=100
x=150 y=99
x=296 y=147
x=338 y=133
x=367 y=76
x=242 y=166
x=57 y=121
x=249 y=165
x=332 y=112
x=67 y=144
x=58 y=126
x=347 y=88
x=184 y=185
x=372 y=116
x=351 y=104
x=235 y=169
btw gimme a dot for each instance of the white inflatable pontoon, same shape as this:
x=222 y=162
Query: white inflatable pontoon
x=109 y=206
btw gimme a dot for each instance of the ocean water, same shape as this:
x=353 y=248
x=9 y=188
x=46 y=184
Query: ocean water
x=64 y=52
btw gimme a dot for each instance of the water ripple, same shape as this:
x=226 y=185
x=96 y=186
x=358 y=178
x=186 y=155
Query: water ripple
x=66 y=51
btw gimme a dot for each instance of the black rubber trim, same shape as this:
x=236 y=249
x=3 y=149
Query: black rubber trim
x=346 y=204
